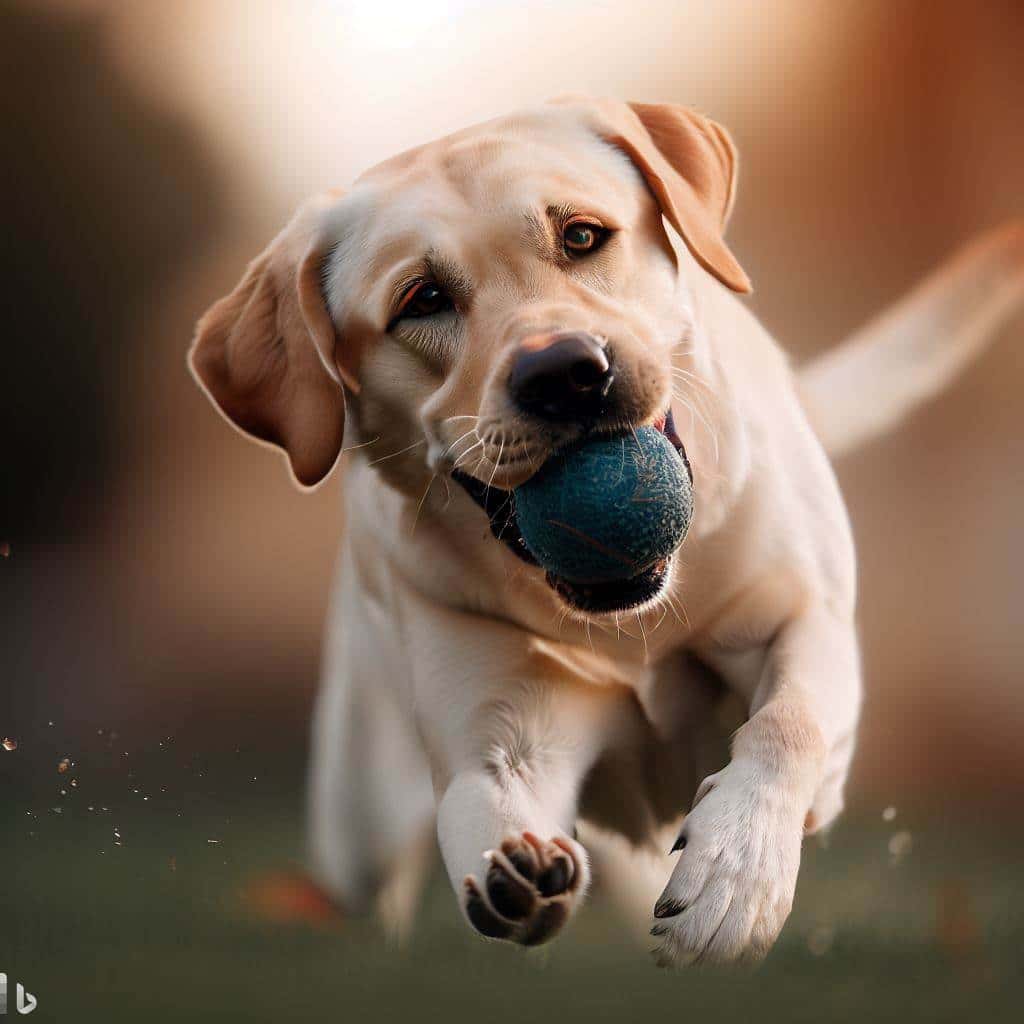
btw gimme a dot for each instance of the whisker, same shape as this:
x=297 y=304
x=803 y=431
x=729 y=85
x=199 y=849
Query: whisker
x=561 y=620
x=444 y=454
x=353 y=447
x=419 y=507
x=497 y=462
x=694 y=413
x=680 y=381
x=383 y=458
x=643 y=633
x=664 y=613
x=685 y=378
x=689 y=375
x=479 y=462
x=677 y=608
x=465 y=455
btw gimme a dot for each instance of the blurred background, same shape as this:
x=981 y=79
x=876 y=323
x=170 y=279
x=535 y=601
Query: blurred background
x=163 y=585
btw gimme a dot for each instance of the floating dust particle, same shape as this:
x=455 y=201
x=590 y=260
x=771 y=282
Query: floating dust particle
x=173 y=863
x=820 y=940
x=5 y=549
x=900 y=845
x=74 y=783
x=213 y=842
x=9 y=743
x=63 y=765
x=889 y=813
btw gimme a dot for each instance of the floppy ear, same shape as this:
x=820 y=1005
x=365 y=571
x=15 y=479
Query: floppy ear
x=689 y=163
x=267 y=354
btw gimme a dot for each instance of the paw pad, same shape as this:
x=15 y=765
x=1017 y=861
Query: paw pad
x=528 y=890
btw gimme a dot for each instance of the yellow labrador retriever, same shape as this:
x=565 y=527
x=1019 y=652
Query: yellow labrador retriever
x=466 y=310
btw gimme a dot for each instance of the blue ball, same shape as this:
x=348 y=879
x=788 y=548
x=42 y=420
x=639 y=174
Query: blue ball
x=607 y=509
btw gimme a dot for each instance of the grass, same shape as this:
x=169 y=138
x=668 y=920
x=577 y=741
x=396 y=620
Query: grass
x=155 y=930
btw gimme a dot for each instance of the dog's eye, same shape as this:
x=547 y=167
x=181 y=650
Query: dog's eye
x=581 y=237
x=423 y=299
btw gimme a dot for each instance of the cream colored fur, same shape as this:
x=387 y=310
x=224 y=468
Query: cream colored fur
x=458 y=689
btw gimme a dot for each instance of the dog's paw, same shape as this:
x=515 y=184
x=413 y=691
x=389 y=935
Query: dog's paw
x=529 y=890
x=732 y=888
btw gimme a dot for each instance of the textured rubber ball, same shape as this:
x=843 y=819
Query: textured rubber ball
x=607 y=509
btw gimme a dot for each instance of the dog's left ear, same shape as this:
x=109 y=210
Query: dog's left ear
x=268 y=354
x=689 y=163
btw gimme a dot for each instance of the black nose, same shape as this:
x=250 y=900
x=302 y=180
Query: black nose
x=562 y=378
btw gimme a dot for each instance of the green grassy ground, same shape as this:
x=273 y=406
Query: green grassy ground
x=128 y=934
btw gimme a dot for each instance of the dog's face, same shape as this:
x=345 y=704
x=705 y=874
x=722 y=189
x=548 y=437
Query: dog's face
x=486 y=299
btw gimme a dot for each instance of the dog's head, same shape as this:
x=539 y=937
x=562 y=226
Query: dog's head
x=484 y=300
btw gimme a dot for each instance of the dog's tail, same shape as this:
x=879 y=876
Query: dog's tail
x=910 y=353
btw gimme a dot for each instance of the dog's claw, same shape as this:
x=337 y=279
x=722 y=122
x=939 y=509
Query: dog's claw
x=668 y=908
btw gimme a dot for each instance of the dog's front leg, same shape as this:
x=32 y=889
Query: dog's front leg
x=510 y=734
x=506 y=832
x=732 y=887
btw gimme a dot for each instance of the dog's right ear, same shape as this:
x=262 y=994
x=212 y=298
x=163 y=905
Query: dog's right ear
x=268 y=354
x=689 y=164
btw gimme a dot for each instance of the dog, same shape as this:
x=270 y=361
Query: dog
x=466 y=310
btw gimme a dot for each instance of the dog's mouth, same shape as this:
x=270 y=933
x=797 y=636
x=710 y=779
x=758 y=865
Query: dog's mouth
x=617 y=596
x=595 y=598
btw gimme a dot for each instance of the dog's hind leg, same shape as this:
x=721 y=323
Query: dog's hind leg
x=371 y=805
